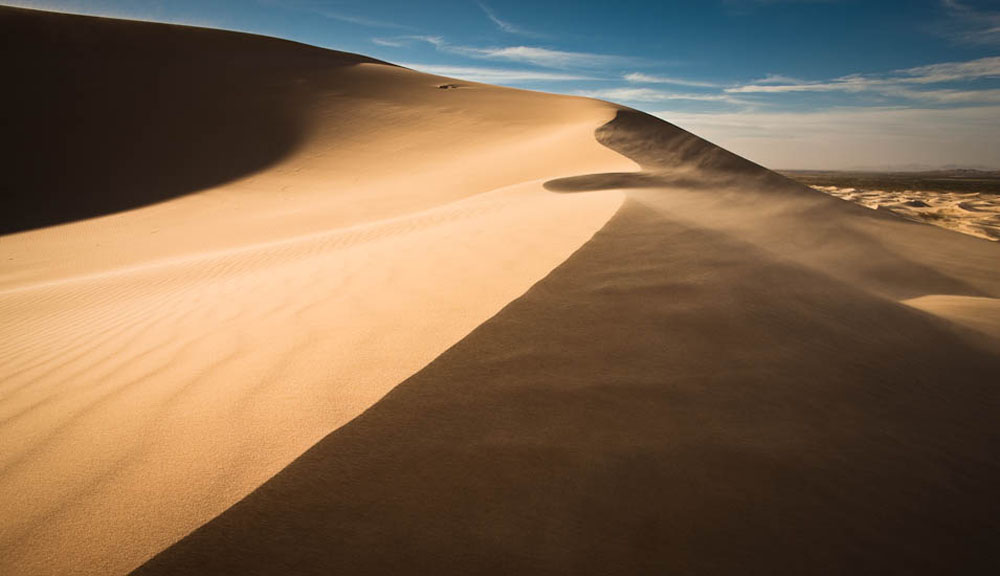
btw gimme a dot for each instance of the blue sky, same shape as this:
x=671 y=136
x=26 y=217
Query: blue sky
x=789 y=83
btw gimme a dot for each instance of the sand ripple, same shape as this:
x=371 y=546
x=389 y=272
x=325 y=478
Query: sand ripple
x=973 y=213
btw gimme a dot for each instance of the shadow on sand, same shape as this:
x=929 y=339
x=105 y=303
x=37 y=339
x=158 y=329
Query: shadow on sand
x=103 y=116
x=670 y=400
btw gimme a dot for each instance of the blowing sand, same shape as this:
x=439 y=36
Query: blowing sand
x=390 y=341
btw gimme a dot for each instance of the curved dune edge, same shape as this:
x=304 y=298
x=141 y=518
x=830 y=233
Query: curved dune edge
x=976 y=313
x=725 y=361
x=136 y=113
x=139 y=404
x=722 y=379
x=159 y=364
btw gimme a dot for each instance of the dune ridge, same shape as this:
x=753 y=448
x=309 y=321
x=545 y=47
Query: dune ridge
x=164 y=357
x=397 y=344
x=201 y=107
x=723 y=380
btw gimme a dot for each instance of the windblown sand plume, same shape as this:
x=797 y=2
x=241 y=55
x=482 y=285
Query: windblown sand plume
x=272 y=309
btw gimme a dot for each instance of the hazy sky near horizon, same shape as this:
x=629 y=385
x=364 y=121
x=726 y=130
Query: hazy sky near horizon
x=826 y=84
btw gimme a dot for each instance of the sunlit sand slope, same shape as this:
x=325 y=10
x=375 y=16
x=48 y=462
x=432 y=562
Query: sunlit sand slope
x=280 y=235
x=100 y=117
x=363 y=324
x=722 y=381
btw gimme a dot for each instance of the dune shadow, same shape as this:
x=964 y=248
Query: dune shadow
x=668 y=400
x=656 y=144
x=104 y=115
x=791 y=219
x=670 y=157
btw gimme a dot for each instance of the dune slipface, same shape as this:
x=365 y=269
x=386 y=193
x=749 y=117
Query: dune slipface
x=159 y=363
x=394 y=343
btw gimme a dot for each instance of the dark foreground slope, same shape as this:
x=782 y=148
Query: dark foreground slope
x=722 y=381
x=103 y=115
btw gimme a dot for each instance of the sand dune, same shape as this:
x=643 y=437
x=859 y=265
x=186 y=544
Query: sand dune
x=976 y=313
x=723 y=380
x=160 y=363
x=973 y=213
x=387 y=339
x=199 y=107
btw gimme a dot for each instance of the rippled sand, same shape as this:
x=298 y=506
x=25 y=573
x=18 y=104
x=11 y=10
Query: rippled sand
x=270 y=309
x=973 y=213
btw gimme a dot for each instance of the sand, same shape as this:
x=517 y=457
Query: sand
x=162 y=362
x=973 y=213
x=976 y=313
x=473 y=330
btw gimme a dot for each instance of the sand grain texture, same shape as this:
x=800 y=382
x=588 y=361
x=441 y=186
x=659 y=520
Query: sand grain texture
x=389 y=340
x=160 y=363
x=973 y=213
x=722 y=381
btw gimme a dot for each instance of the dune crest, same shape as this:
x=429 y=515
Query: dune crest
x=723 y=379
x=979 y=314
x=200 y=107
x=159 y=363
x=728 y=410
x=477 y=331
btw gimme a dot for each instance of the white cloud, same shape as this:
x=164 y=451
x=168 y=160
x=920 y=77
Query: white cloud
x=949 y=96
x=504 y=25
x=778 y=79
x=906 y=83
x=640 y=78
x=971 y=25
x=388 y=42
x=436 y=41
x=496 y=75
x=360 y=20
x=952 y=71
x=543 y=56
x=838 y=85
x=533 y=55
x=854 y=137
x=652 y=95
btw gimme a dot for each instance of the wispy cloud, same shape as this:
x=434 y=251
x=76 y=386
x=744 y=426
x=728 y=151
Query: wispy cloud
x=843 y=138
x=951 y=71
x=777 y=79
x=640 y=78
x=497 y=75
x=409 y=40
x=971 y=25
x=909 y=83
x=504 y=25
x=388 y=42
x=843 y=84
x=653 y=95
x=361 y=20
x=950 y=96
x=531 y=55
x=436 y=41
x=545 y=57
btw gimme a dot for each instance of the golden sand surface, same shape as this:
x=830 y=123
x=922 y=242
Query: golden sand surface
x=973 y=213
x=272 y=309
x=161 y=362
